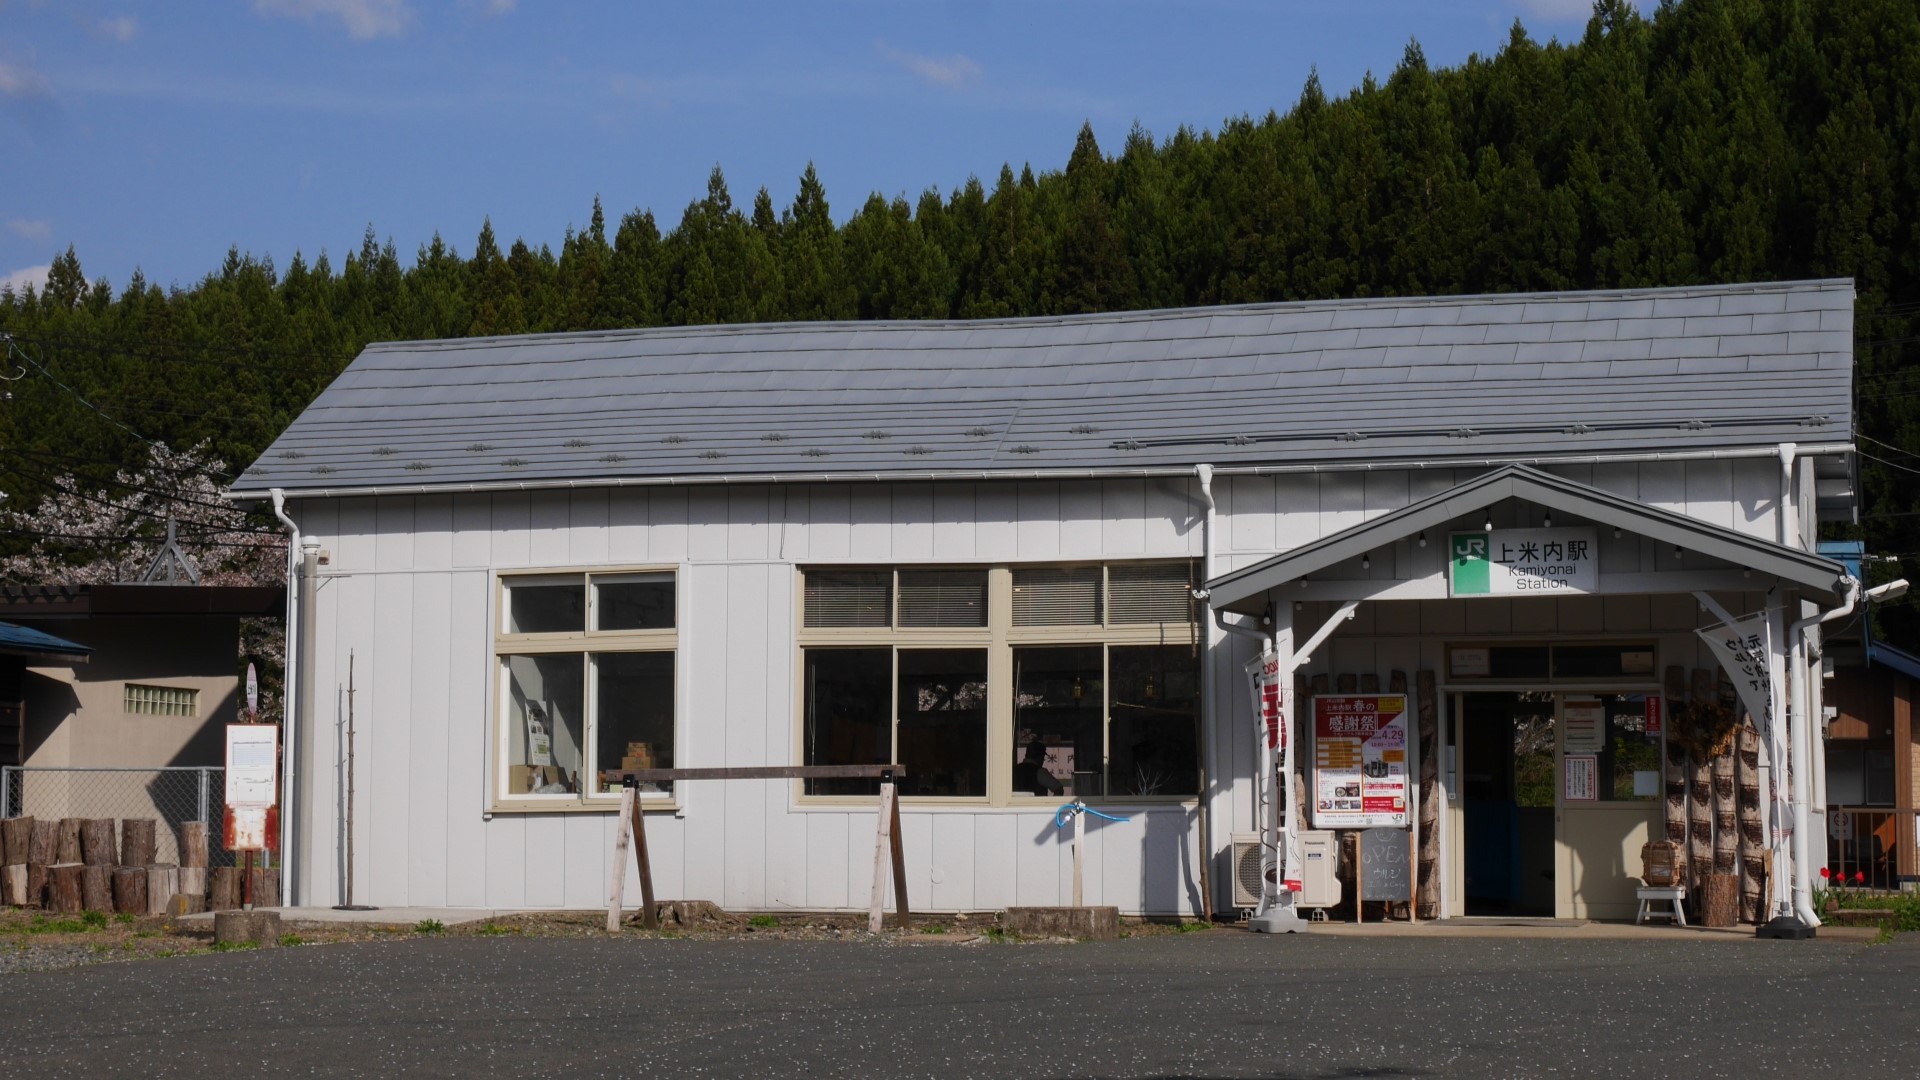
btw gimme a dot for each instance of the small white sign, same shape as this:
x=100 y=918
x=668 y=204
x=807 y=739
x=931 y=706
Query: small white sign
x=1586 y=722
x=253 y=758
x=1472 y=662
x=249 y=828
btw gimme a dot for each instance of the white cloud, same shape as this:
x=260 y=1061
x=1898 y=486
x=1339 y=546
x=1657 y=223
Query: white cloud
x=122 y=28
x=362 y=18
x=20 y=81
x=1563 y=10
x=950 y=71
x=27 y=229
x=17 y=281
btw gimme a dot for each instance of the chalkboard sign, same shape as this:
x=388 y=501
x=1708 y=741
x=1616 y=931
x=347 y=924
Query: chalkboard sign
x=1385 y=873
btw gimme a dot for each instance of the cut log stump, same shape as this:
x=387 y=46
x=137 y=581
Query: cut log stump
x=225 y=894
x=130 y=890
x=45 y=843
x=36 y=885
x=96 y=887
x=13 y=885
x=162 y=883
x=193 y=882
x=1720 y=905
x=137 y=842
x=193 y=844
x=16 y=841
x=67 y=841
x=98 y=844
x=63 y=888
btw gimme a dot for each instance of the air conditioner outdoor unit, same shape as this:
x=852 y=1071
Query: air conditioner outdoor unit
x=1246 y=869
x=1319 y=884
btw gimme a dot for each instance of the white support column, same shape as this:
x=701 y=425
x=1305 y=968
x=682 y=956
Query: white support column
x=1278 y=912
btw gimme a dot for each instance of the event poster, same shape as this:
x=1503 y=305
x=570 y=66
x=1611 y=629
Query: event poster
x=1360 y=761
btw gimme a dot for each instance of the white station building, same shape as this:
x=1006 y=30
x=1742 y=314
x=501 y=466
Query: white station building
x=1031 y=561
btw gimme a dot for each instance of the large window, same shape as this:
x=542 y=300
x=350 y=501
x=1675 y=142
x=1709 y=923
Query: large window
x=1004 y=683
x=586 y=668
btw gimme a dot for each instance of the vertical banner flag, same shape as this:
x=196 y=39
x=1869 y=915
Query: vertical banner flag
x=1268 y=702
x=1743 y=649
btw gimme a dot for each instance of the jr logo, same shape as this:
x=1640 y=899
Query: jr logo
x=1469 y=571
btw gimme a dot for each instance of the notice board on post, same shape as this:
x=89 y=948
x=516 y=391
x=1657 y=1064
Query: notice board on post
x=1361 y=761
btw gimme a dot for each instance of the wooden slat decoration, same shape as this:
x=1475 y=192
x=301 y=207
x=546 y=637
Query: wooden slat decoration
x=1428 y=870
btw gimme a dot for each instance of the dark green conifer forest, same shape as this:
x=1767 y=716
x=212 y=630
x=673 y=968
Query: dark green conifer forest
x=1704 y=141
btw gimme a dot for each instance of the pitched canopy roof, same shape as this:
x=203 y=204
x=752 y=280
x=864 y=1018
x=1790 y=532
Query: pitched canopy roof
x=1244 y=589
x=1474 y=378
x=37 y=645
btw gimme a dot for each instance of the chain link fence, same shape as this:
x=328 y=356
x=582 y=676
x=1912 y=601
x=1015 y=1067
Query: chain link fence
x=168 y=795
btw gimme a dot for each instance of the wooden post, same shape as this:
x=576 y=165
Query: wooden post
x=882 y=844
x=64 y=888
x=1753 y=870
x=622 y=839
x=130 y=889
x=1079 y=826
x=96 y=887
x=1359 y=875
x=67 y=846
x=137 y=844
x=225 y=895
x=898 y=859
x=36 y=885
x=650 y=918
x=13 y=885
x=16 y=841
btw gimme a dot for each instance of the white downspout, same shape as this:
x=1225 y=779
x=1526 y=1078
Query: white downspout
x=287 y=695
x=1802 y=731
x=1204 y=474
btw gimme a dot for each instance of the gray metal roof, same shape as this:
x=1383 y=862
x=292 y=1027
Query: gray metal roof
x=1244 y=589
x=1450 y=378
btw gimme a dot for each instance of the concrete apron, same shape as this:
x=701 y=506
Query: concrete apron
x=1568 y=930
x=390 y=916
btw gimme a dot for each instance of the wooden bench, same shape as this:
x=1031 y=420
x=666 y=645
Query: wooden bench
x=1671 y=894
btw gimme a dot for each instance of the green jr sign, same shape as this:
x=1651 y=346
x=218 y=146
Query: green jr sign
x=1469 y=572
x=1523 y=562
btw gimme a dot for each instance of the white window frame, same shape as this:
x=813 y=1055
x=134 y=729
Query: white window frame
x=589 y=643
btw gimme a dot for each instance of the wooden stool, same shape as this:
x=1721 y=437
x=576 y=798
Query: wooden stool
x=1671 y=894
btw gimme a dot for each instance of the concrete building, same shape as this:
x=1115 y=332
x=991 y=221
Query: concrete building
x=1031 y=560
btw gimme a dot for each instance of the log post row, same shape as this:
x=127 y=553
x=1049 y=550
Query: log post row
x=1699 y=806
x=1753 y=866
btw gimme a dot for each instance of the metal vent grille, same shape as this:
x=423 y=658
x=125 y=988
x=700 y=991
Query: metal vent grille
x=1051 y=596
x=1247 y=870
x=848 y=598
x=1160 y=593
x=943 y=598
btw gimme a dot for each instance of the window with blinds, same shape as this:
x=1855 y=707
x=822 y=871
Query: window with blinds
x=1054 y=596
x=838 y=599
x=1152 y=593
x=943 y=598
x=142 y=700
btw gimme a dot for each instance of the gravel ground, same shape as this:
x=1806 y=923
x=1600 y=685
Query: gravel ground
x=1216 y=1004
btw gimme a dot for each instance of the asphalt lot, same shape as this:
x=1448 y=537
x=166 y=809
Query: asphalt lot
x=1218 y=1004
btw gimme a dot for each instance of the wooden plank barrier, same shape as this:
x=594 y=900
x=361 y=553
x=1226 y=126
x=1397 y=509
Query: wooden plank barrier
x=887 y=846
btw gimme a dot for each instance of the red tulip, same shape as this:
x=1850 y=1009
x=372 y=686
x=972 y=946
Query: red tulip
x=1826 y=871
x=1859 y=878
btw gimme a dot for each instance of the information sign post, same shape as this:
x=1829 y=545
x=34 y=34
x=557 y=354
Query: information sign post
x=253 y=774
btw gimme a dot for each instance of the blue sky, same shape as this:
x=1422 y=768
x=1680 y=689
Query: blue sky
x=156 y=135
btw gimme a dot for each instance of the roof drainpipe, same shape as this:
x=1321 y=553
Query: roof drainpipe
x=1204 y=474
x=1801 y=731
x=287 y=698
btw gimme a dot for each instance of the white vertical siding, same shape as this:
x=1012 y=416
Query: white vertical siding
x=409 y=594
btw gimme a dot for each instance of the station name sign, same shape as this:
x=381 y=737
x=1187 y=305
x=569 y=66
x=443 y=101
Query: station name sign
x=1523 y=562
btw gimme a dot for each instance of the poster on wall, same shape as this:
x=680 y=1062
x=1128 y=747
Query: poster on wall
x=1360 y=761
x=1586 y=720
x=1583 y=778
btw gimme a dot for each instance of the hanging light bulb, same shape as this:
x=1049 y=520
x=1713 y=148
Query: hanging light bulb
x=1079 y=688
x=1423 y=539
x=1366 y=561
x=1546 y=521
x=1150 y=691
x=1616 y=532
x=1676 y=551
x=1488 y=526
